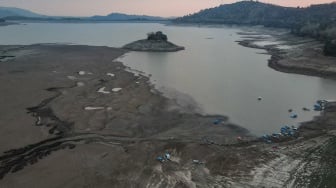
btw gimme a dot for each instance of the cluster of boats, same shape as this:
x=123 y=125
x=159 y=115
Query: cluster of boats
x=285 y=131
x=292 y=131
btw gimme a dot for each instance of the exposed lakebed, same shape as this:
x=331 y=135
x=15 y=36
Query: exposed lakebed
x=213 y=73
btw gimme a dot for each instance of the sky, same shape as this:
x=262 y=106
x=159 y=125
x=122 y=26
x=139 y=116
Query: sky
x=165 y=8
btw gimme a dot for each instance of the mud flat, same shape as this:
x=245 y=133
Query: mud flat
x=57 y=132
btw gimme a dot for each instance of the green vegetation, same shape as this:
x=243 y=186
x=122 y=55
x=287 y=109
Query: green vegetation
x=317 y=21
x=245 y=12
x=157 y=36
x=330 y=48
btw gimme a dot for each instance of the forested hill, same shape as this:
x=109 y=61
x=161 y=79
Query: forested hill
x=251 y=12
x=318 y=21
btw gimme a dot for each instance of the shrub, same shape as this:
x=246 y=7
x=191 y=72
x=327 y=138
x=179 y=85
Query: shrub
x=157 y=36
x=330 y=48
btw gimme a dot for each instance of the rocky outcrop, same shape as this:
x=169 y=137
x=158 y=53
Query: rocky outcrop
x=155 y=42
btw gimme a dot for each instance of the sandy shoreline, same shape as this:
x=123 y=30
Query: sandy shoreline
x=58 y=130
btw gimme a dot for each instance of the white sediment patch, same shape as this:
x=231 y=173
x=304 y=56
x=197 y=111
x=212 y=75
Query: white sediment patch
x=80 y=84
x=284 y=47
x=94 y=108
x=275 y=173
x=263 y=43
x=39 y=121
x=102 y=90
x=110 y=74
x=117 y=89
x=71 y=77
x=81 y=73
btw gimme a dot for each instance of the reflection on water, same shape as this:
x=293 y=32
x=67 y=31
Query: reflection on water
x=225 y=78
x=221 y=76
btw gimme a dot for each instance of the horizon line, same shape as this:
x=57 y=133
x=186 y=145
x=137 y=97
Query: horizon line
x=134 y=14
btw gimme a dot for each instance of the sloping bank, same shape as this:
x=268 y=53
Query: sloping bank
x=291 y=54
x=309 y=160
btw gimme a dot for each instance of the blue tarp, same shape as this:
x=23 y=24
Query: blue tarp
x=293 y=116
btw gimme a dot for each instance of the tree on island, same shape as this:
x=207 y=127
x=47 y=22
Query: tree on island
x=155 y=42
x=158 y=36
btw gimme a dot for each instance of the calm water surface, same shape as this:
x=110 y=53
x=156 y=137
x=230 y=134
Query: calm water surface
x=214 y=71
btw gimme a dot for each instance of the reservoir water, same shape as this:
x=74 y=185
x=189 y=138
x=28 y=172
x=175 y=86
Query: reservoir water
x=214 y=72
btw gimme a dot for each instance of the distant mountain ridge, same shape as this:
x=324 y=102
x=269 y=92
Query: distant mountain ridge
x=124 y=17
x=11 y=12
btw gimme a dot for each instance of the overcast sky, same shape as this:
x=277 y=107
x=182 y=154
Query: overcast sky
x=148 y=7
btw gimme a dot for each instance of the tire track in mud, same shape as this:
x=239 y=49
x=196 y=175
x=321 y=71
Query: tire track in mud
x=45 y=116
x=65 y=137
x=14 y=160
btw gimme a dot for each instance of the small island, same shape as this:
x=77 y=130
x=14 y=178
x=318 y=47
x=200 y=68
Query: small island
x=155 y=42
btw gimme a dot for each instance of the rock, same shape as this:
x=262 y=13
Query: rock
x=155 y=42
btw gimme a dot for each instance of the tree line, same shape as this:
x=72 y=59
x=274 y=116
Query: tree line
x=317 y=21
